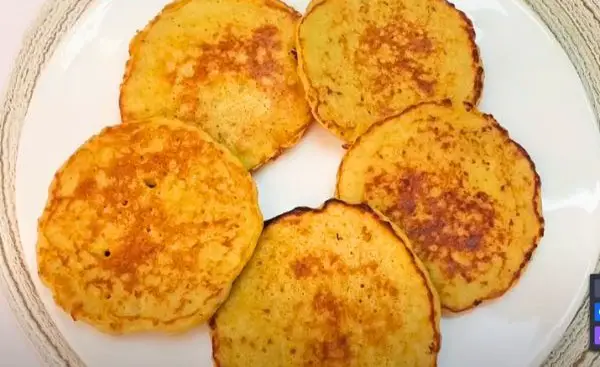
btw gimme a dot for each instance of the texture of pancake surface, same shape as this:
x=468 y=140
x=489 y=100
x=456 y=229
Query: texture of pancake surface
x=466 y=195
x=334 y=286
x=228 y=66
x=364 y=60
x=146 y=227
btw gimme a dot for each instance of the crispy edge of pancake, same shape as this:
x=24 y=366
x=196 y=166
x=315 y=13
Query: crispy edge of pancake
x=434 y=299
x=537 y=197
x=313 y=98
x=284 y=147
x=140 y=36
x=192 y=321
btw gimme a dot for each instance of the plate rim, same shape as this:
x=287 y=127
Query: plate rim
x=573 y=25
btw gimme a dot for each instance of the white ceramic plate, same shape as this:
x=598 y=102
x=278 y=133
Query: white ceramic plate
x=531 y=87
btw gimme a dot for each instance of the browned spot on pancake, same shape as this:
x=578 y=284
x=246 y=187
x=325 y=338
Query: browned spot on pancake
x=338 y=318
x=254 y=57
x=395 y=51
x=339 y=315
x=315 y=266
x=335 y=346
x=307 y=266
x=137 y=245
x=327 y=264
x=294 y=54
x=385 y=285
x=336 y=349
x=328 y=306
x=454 y=225
x=137 y=179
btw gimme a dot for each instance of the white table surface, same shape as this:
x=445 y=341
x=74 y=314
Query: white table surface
x=15 y=18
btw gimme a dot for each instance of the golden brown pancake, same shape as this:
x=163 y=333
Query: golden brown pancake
x=227 y=66
x=146 y=227
x=363 y=60
x=467 y=196
x=334 y=286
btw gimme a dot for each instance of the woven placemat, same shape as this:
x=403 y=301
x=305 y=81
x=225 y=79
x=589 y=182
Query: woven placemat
x=575 y=23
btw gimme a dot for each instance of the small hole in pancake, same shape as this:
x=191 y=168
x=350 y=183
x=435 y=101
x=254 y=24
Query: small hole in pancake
x=148 y=229
x=294 y=53
x=108 y=296
x=362 y=285
x=125 y=202
x=107 y=253
x=151 y=183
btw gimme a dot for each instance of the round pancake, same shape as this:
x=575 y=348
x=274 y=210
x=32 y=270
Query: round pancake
x=146 y=227
x=466 y=195
x=227 y=66
x=363 y=60
x=334 y=286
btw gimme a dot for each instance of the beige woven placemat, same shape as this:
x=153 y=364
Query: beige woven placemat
x=575 y=23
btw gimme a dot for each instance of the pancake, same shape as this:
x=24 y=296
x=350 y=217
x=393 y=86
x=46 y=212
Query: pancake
x=334 y=286
x=466 y=195
x=146 y=227
x=227 y=66
x=363 y=60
